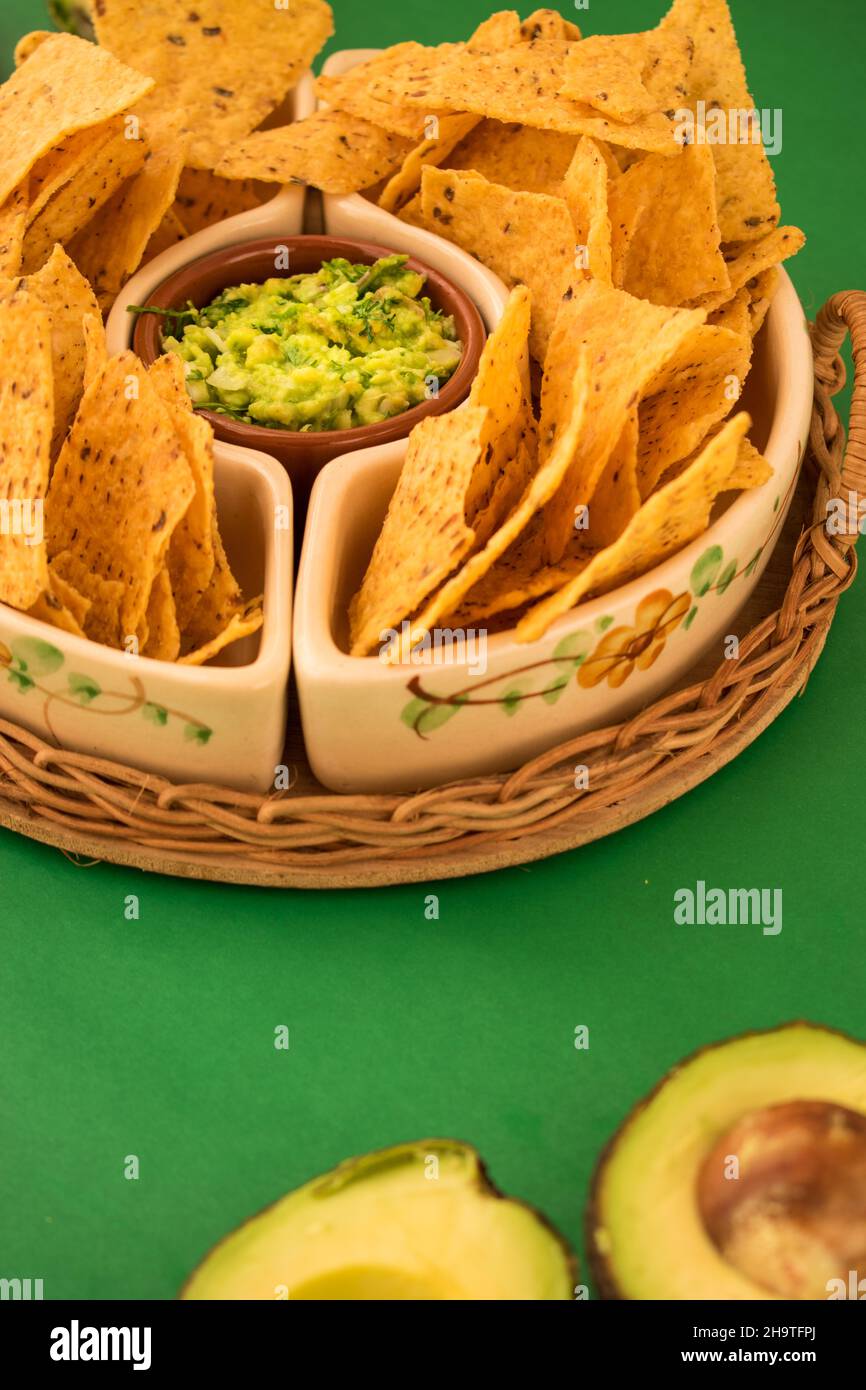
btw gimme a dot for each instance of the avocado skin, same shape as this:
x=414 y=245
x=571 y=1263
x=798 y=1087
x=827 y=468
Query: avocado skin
x=601 y=1265
x=348 y=1169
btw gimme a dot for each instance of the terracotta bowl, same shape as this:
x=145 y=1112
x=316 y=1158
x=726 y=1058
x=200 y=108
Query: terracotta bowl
x=304 y=453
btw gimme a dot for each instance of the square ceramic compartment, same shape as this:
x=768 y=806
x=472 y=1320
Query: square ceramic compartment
x=352 y=215
x=282 y=215
x=371 y=727
x=221 y=723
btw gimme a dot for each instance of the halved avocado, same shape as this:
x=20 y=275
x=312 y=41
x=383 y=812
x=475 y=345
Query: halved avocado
x=741 y=1176
x=416 y=1222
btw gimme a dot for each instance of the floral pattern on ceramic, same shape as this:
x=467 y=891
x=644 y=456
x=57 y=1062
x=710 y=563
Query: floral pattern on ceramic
x=596 y=654
x=29 y=662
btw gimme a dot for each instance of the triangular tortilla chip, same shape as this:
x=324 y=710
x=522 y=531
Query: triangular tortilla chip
x=330 y=150
x=745 y=188
x=424 y=535
x=672 y=517
x=26 y=419
x=120 y=486
x=540 y=489
x=64 y=86
x=525 y=238
x=627 y=340
x=666 y=240
x=224 y=64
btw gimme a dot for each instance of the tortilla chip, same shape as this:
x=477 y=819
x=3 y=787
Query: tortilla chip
x=13 y=222
x=55 y=169
x=665 y=234
x=548 y=24
x=450 y=130
x=95 y=348
x=627 y=340
x=352 y=92
x=221 y=601
x=748 y=259
x=617 y=496
x=761 y=289
x=224 y=64
x=169 y=232
x=111 y=247
x=28 y=44
x=585 y=189
x=104 y=597
x=745 y=188
x=697 y=386
x=424 y=535
x=673 y=517
x=163 y=633
x=240 y=625
x=72 y=600
x=517 y=156
x=78 y=202
x=733 y=315
x=330 y=150
x=191 y=553
x=120 y=487
x=65 y=85
x=501 y=386
x=525 y=238
x=203 y=199
x=626 y=76
x=61 y=605
x=26 y=417
x=523 y=84
x=541 y=488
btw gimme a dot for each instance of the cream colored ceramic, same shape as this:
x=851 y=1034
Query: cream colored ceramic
x=283 y=215
x=224 y=722
x=354 y=216
x=374 y=727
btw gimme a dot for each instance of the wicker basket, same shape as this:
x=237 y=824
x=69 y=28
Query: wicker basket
x=310 y=838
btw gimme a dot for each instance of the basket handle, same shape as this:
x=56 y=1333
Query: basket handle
x=844 y=468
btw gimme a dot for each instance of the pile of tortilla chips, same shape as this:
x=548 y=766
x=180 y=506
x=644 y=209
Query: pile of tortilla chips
x=643 y=257
x=119 y=540
x=111 y=146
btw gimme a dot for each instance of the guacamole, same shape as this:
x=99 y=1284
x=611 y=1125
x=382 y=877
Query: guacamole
x=346 y=346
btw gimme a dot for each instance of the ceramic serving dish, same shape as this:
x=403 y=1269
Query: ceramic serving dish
x=224 y=722
x=352 y=215
x=304 y=452
x=372 y=727
x=282 y=215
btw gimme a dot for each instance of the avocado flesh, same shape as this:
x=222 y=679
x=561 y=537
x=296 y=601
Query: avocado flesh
x=379 y=1228
x=644 y=1229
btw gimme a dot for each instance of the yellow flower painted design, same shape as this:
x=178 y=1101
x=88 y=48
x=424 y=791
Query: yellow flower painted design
x=624 y=648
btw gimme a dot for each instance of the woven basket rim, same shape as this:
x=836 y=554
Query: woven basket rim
x=84 y=803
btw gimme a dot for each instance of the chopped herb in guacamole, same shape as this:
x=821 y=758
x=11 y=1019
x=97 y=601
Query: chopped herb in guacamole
x=346 y=346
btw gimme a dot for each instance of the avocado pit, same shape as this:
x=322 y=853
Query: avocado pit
x=782 y=1195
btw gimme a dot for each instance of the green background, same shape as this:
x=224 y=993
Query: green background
x=155 y=1037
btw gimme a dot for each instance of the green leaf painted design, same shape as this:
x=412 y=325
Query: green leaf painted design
x=602 y=624
x=511 y=701
x=23 y=682
x=573 y=650
x=36 y=657
x=690 y=617
x=424 y=718
x=155 y=714
x=728 y=573
x=84 y=688
x=776 y=504
x=751 y=565
x=551 y=695
x=703 y=576
x=197 y=733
